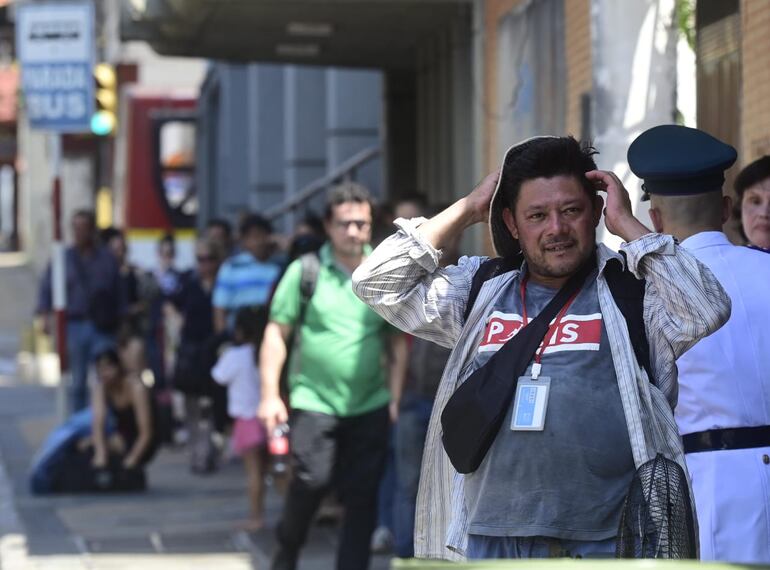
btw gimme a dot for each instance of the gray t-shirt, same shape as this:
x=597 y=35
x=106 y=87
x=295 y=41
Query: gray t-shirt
x=569 y=480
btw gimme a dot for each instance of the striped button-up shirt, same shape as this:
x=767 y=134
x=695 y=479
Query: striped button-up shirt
x=403 y=282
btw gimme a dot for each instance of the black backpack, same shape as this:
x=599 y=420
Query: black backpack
x=627 y=290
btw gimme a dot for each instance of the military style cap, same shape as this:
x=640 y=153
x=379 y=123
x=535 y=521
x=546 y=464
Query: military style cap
x=679 y=161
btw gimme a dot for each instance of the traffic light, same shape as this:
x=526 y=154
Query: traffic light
x=105 y=119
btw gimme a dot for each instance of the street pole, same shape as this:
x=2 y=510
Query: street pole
x=58 y=274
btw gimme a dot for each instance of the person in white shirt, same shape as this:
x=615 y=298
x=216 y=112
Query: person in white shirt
x=237 y=369
x=723 y=411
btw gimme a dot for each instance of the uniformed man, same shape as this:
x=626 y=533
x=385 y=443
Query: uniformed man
x=724 y=386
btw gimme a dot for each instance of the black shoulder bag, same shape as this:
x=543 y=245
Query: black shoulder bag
x=473 y=415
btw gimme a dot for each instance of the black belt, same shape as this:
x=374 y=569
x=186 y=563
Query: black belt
x=731 y=438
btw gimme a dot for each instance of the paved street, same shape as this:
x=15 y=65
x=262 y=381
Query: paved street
x=182 y=521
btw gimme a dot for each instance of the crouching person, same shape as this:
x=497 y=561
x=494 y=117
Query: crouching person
x=119 y=459
x=104 y=447
x=555 y=475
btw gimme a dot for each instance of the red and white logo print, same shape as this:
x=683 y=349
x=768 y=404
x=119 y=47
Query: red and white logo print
x=575 y=332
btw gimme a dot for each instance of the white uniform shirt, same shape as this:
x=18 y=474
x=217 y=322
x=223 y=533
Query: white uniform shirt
x=724 y=382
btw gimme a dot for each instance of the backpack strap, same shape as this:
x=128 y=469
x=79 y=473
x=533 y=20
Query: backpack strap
x=486 y=271
x=628 y=293
x=311 y=265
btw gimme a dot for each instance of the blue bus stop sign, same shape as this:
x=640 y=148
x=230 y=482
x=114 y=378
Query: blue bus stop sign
x=55 y=45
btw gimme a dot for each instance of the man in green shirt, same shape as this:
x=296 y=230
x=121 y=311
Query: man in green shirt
x=339 y=399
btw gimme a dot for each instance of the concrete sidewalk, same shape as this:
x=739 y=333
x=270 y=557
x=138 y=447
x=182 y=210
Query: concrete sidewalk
x=182 y=521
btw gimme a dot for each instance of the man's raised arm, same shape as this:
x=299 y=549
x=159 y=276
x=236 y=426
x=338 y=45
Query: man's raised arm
x=402 y=281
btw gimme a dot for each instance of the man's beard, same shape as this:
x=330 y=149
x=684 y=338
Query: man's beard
x=556 y=268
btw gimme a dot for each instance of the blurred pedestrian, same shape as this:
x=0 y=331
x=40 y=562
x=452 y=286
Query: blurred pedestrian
x=752 y=186
x=246 y=279
x=161 y=333
x=94 y=302
x=338 y=394
x=138 y=288
x=221 y=231
x=237 y=369
x=103 y=448
x=127 y=400
x=205 y=403
x=166 y=274
x=115 y=241
x=309 y=236
x=723 y=409
x=125 y=397
x=409 y=207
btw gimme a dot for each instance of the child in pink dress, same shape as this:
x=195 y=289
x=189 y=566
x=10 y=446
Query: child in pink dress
x=237 y=369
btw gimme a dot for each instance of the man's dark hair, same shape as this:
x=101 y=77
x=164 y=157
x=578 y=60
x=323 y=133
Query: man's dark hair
x=251 y=323
x=254 y=222
x=412 y=198
x=88 y=215
x=167 y=239
x=226 y=226
x=315 y=223
x=346 y=192
x=110 y=355
x=107 y=234
x=547 y=158
x=754 y=173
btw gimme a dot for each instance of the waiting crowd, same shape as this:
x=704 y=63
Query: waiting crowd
x=524 y=395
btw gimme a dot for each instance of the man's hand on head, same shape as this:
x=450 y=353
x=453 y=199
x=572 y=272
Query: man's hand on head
x=618 y=213
x=478 y=201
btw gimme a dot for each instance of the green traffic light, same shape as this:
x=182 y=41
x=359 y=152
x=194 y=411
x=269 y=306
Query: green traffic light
x=102 y=123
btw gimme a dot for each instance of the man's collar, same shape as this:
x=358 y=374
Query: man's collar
x=604 y=254
x=705 y=239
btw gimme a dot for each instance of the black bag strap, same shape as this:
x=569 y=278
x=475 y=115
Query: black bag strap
x=628 y=293
x=311 y=265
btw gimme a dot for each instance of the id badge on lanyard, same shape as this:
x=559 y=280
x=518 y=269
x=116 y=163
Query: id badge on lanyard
x=530 y=404
x=531 y=401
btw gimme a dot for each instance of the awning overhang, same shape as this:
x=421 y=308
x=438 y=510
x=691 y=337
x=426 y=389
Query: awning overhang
x=355 y=33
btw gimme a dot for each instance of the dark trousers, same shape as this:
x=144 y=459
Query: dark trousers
x=348 y=455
